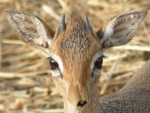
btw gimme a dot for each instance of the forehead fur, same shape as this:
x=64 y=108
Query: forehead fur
x=75 y=37
x=75 y=44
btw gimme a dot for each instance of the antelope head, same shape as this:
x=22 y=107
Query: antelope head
x=75 y=50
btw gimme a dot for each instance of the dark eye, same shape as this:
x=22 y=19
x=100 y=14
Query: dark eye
x=53 y=64
x=99 y=62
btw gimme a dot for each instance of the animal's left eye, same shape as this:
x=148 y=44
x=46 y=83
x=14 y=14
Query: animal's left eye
x=98 y=63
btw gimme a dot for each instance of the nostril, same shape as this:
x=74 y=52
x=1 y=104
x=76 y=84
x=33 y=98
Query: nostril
x=81 y=103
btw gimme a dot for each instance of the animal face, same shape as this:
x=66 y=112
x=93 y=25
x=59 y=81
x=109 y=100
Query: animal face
x=76 y=50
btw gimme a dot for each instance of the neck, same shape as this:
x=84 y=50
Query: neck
x=92 y=107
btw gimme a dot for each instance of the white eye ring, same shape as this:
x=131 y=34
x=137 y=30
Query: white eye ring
x=96 y=71
x=57 y=71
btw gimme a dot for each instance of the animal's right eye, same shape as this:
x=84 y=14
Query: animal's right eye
x=53 y=64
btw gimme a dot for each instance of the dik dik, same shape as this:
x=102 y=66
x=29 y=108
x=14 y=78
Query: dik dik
x=76 y=55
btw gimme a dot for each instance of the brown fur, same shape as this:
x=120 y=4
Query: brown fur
x=134 y=97
x=76 y=47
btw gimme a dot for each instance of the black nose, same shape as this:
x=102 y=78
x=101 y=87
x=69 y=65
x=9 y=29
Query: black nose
x=81 y=104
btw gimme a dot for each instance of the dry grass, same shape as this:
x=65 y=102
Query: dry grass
x=25 y=82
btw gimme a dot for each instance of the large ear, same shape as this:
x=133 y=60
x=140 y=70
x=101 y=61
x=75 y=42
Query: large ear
x=121 y=29
x=30 y=29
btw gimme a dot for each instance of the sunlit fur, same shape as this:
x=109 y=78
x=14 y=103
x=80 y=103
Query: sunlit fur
x=74 y=46
x=75 y=49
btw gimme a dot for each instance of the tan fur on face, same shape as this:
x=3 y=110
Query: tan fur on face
x=76 y=51
x=77 y=47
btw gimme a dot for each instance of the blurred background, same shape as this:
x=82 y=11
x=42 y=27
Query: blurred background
x=25 y=81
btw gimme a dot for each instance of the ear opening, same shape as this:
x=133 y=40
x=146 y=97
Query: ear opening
x=30 y=29
x=121 y=29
